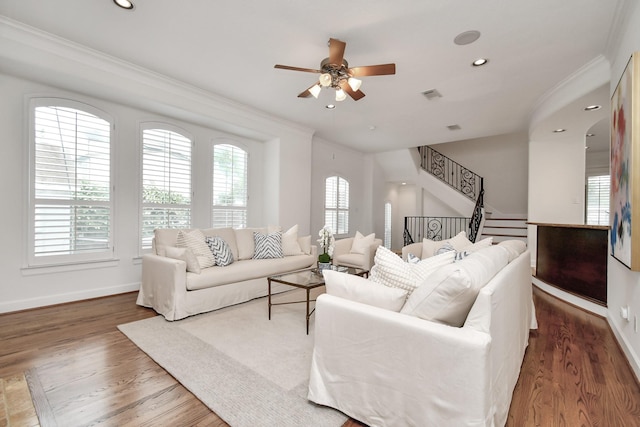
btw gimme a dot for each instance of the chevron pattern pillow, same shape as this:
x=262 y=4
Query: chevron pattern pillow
x=220 y=250
x=268 y=245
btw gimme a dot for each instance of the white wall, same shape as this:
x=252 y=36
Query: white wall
x=505 y=185
x=623 y=284
x=329 y=159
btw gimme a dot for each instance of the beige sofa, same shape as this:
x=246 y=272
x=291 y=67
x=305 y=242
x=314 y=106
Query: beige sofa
x=173 y=291
x=379 y=360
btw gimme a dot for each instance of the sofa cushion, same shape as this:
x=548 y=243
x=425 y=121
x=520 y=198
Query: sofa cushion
x=446 y=296
x=228 y=234
x=246 y=270
x=459 y=242
x=268 y=246
x=305 y=244
x=184 y=254
x=163 y=237
x=290 y=244
x=194 y=240
x=349 y=260
x=390 y=270
x=361 y=242
x=359 y=289
x=220 y=250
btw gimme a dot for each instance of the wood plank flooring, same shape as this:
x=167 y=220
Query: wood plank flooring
x=83 y=371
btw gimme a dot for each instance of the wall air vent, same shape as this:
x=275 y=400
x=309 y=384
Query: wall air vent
x=454 y=127
x=432 y=94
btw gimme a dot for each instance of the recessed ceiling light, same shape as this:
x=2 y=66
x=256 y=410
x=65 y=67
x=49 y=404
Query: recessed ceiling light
x=592 y=107
x=479 y=62
x=125 y=4
x=330 y=107
x=589 y=135
x=372 y=127
x=467 y=37
x=559 y=130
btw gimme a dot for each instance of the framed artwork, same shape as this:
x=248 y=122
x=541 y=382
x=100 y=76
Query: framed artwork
x=624 y=236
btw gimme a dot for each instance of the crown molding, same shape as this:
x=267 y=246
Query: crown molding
x=33 y=54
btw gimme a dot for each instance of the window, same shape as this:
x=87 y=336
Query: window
x=336 y=204
x=166 y=181
x=598 y=200
x=229 y=186
x=70 y=183
x=387 y=225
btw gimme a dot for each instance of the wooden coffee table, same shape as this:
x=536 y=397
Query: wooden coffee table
x=307 y=279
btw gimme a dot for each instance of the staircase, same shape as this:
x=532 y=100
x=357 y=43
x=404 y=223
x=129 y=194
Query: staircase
x=504 y=228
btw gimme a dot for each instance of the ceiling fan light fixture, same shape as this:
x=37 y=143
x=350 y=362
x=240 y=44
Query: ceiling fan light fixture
x=325 y=79
x=354 y=83
x=315 y=91
x=340 y=95
x=125 y=4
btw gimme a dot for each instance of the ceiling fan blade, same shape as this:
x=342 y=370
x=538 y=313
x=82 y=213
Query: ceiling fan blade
x=355 y=94
x=306 y=93
x=287 y=67
x=373 y=70
x=336 y=51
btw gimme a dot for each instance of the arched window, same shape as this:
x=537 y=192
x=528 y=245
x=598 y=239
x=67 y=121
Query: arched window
x=229 y=186
x=166 y=180
x=336 y=204
x=70 y=207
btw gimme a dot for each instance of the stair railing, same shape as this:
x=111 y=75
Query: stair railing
x=460 y=178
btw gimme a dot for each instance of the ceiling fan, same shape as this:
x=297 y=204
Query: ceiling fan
x=335 y=73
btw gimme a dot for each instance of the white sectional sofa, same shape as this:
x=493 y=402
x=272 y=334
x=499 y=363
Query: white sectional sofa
x=384 y=365
x=176 y=287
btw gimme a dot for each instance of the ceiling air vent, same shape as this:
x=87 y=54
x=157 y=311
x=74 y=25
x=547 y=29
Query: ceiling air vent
x=432 y=94
x=454 y=127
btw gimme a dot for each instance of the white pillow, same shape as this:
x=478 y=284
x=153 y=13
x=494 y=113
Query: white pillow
x=359 y=289
x=194 y=240
x=514 y=248
x=390 y=270
x=484 y=243
x=290 y=245
x=184 y=254
x=447 y=295
x=458 y=242
x=361 y=242
x=305 y=244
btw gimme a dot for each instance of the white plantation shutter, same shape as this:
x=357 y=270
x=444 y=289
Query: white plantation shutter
x=71 y=183
x=229 y=186
x=336 y=204
x=598 y=200
x=387 y=225
x=166 y=182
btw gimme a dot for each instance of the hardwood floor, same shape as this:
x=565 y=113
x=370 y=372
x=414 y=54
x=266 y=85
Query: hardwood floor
x=83 y=371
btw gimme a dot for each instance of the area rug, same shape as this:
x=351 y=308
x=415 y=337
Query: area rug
x=249 y=370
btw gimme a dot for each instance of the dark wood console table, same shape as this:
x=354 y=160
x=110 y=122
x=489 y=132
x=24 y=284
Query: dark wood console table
x=573 y=258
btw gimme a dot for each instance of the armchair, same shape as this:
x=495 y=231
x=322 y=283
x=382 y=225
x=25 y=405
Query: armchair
x=343 y=254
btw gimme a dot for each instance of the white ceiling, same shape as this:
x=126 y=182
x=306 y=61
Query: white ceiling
x=229 y=48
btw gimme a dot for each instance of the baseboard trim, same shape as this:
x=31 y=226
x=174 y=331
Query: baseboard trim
x=26 y=304
x=632 y=356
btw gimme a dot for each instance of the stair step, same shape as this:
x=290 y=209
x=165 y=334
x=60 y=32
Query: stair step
x=504 y=235
x=513 y=227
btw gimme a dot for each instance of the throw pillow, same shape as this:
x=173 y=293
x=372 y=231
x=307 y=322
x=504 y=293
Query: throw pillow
x=184 y=254
x=484 y=243
x=361 y=242
x=412 y=259
x=359 y=289
x=447 y=295
x=220 y=250
x=305 y=244
x=390 y=270
x=290 y=245
x=268 y=245
x=458 y=242
x=444 y=248
x=194 y=240
x=514 y=248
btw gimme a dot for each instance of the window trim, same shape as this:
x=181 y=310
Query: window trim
x=31 y=260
